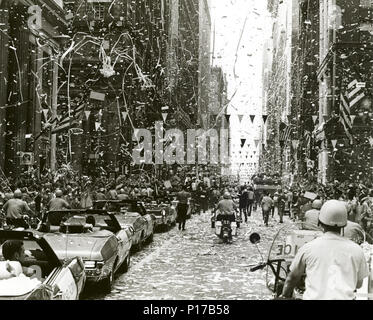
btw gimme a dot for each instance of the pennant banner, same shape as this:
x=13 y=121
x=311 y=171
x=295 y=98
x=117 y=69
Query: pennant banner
x=334 y=143
x=87 y=113
x=124 y=115
x=265 y=118
x=256 y=143
x=314 y=118
x=45 y=112
x=252 y=117
x=240 y=117
x=97 y=125
x=164 y=116
x=243 y=142
x=227 y=117
x=295 y=144
x=352 y=118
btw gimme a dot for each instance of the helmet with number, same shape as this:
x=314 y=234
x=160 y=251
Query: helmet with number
x=226 y=195
x=317 y=204
x=18 y=194
x=333 y=213
x=59 y=193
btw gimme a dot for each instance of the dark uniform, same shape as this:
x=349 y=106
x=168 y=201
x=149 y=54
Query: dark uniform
x=182 y=208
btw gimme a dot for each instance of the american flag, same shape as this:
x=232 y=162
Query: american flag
x=354 y=94
x=285 y=132
x=67 y=122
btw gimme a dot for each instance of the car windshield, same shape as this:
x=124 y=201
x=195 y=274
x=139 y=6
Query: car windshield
x=79 y=222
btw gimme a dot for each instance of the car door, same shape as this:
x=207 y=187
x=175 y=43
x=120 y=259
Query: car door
x=63 y=284
x=148 y=221
x=123 y=245
x=139 y=226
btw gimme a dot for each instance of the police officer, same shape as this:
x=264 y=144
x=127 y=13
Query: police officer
x=58 y=203
x=334 y=266
x=15 y=209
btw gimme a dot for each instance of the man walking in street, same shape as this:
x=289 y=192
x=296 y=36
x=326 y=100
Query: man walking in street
x=267 y=204
x=250 y=201
x=182 y=207
x=243 y=203
x=281 y=202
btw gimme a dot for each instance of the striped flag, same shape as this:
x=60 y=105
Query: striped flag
x=285 y=132
x=354 y=94
x=66 y=122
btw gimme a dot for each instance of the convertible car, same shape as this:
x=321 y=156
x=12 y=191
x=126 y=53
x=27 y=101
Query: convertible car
x=164 y=213
x=52 y=279
x=94 y=235
x=131 y=214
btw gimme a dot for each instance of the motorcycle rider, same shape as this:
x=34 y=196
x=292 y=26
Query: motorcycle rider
x=226 y=206
x=15 y=209
x=334 y=266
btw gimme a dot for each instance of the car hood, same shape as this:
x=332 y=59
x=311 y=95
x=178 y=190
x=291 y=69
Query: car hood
x=86 y=246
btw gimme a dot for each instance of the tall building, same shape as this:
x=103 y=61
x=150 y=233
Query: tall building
x=325 y=105
x=217 y=110
x=204 y=70
x=277 y=71
x=30 y=50
x=345 y=87
x=305 y=91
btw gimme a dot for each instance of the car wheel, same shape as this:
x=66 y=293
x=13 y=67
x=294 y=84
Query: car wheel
x=139 y=245
x=126 y=264
x=150 y=239
x=107 y=283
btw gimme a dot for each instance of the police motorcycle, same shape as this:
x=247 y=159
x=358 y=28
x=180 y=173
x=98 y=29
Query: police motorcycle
x=225 y=225
x=283 y=249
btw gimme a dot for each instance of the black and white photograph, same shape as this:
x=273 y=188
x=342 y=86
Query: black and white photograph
x=186 y=156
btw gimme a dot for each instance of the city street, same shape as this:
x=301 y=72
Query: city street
x=194 y=265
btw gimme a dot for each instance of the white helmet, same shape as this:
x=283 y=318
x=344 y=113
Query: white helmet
x=18 y=194
x=333 y=213
x=317 y=204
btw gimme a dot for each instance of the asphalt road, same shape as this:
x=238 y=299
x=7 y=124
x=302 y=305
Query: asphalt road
x=194 y=265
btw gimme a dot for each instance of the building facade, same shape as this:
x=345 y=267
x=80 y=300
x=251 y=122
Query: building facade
x=30 y=48
x=345 y=69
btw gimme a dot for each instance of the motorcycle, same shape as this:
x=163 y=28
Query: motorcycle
x=214 y=214
x=225 y=228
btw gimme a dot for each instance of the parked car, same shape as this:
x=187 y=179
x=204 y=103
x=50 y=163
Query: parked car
x=164 y=213
x=94 y=235
x=131 y=213
x=53 y=280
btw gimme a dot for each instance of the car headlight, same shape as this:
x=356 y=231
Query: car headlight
x=90 y=264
